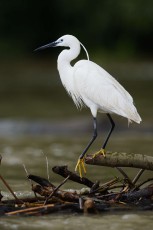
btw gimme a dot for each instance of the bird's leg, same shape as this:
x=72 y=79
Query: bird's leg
x=111 y=130
x=80 y=164
x=102 y=150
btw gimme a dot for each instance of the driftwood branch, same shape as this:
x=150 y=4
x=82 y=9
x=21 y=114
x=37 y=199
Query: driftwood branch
x=98 y=198
x=48 y=190
x=9 y=188
x=116 y=159
x=64 y=172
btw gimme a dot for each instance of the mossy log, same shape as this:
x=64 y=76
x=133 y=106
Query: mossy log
x=121 y=159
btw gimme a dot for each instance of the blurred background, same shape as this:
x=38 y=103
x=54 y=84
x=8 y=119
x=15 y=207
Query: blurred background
x=117 y=34
x=36 y=114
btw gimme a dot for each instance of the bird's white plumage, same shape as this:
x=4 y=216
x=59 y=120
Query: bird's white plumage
x=90 y=85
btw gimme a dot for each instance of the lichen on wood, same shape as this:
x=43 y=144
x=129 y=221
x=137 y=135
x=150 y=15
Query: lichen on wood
x=121 y=159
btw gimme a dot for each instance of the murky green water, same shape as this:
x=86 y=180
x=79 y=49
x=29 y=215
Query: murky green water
x=32 y=152
x=38 y=120
x=131 y=221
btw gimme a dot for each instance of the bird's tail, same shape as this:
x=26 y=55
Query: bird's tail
x=134 y=116
x=130 y=112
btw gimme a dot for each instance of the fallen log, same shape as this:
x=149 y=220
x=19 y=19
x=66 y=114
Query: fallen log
x=115 y=159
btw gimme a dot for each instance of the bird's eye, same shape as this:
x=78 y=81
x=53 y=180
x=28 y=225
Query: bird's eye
x=61 y=40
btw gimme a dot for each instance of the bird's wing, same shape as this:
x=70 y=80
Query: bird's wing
x=95 y=85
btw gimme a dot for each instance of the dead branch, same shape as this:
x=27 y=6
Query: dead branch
x=9 y=188
x=56 y=189
x=144 y=182
x=116 y=194
x=137 y=195
x=126 y=177
x=105 y=187
x=48 y=189
x=116 y=159
x=64 y=172
x=136 y=178
x=42 y=181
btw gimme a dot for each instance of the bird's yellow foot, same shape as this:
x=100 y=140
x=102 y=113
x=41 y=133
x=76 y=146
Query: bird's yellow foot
x=100 y=152
x=79 y=166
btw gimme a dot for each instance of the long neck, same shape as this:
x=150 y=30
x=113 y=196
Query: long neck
x=67 y=55
x=64 y=65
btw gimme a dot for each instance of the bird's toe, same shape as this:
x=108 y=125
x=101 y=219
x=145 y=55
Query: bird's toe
x=100 y=152
x=80 y=166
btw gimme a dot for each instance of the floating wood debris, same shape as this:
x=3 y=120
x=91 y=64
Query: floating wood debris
x=117 y=194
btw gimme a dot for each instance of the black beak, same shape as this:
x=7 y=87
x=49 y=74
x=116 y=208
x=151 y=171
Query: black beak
x=52 y=44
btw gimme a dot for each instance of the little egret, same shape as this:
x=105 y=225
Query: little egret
x=90 y=85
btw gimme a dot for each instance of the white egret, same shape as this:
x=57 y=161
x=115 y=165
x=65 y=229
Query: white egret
x=90 y=85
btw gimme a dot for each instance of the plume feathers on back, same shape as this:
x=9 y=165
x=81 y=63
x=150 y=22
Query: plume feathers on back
x=102 y=90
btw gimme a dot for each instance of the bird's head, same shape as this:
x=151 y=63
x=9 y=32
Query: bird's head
x=65 y=41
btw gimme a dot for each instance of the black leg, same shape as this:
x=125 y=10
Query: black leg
x=112 y=127
x=92 y=140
